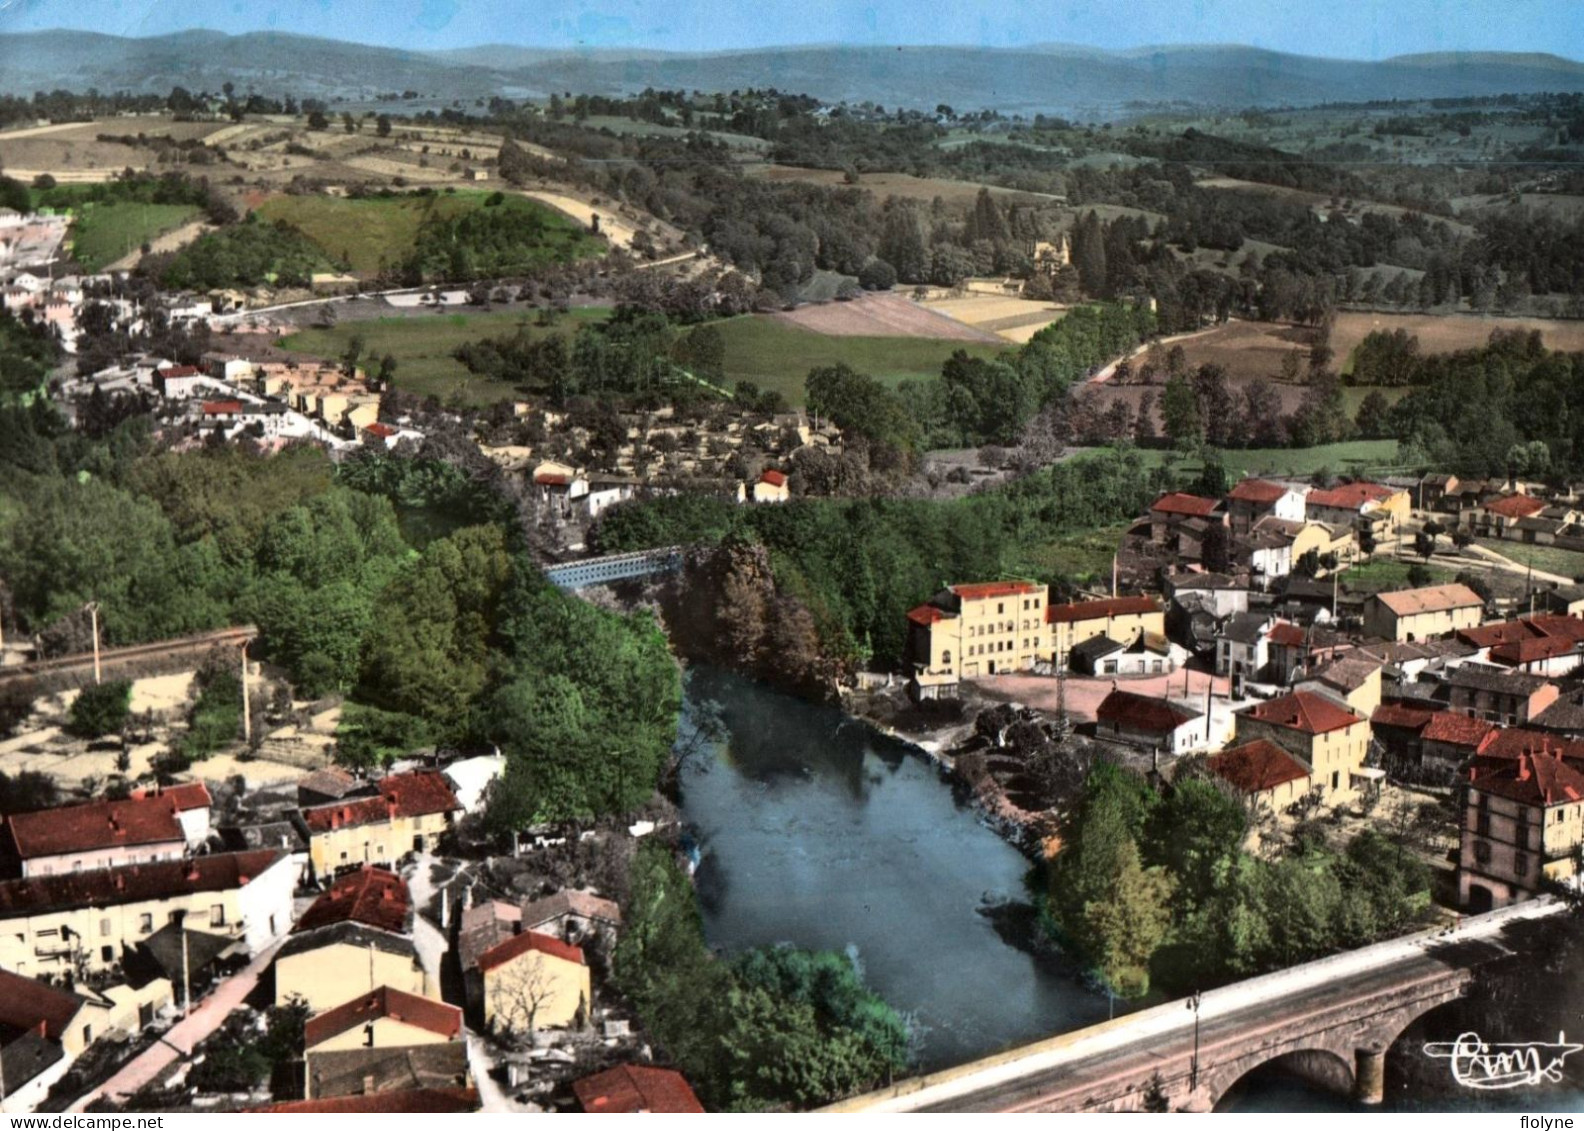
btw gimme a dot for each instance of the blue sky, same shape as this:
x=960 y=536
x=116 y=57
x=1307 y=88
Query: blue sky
x=1371 y=29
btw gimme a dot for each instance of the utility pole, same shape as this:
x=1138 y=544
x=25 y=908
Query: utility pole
x=247 y=720
x=93 y=612
x=1193 y=1070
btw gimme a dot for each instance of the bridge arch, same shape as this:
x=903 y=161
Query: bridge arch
x=1321 y=1068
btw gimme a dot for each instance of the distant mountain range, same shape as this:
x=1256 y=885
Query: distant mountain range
x=1053 y=78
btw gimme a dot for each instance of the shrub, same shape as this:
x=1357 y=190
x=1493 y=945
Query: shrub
x=100 y=709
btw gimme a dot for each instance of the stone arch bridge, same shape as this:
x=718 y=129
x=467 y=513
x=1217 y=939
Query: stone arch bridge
x=1329 y=1021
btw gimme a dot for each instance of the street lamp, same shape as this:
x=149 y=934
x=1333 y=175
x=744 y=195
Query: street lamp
x=1193 y=1070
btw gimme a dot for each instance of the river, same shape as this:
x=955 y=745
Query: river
x=816 y=831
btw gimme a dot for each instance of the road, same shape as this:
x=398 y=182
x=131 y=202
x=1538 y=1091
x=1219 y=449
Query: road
x=186 y=1034
x=1160 y=1038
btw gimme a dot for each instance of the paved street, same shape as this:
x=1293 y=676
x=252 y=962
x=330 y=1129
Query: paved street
x=185 y=1035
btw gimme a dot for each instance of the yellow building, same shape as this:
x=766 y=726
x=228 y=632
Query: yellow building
x=1325 y=539
x=386 y=1018
x=355 y=939
x=1119 y=618
x=1423 y=614
x=1328 y=737
x=1523 y=825
x=981 y=629
x=410 y=814
x=88 y=920
x=1381 y=509
x=532 y=981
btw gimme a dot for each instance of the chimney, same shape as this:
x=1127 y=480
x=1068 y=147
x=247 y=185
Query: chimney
x=368 y=1084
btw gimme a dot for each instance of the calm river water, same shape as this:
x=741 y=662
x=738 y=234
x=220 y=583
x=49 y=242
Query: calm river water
x=818 y=832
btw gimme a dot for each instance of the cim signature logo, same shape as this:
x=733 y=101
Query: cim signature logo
x=1492 y=1067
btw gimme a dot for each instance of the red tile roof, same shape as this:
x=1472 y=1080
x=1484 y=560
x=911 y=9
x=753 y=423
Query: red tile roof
x=1532 y=651
x=774 y=478
x=551 y=479
x=1402 y=716
x=1534 y=779
x=1557 y=624
x=386 y=1002
x=185 y=795
x=27 y=1004
x=1257 y=766
x=1099 y=610
x=1304 y=711
x=1349 y=496
x=635 y=1087
x=926 y=615
x=518 y=945
x=222 y=408
x=1499 y=632
x=1456 y=730
x=1257 y=491
x=383 y=431
x=1177 y=502
x=412 y=1101
x=96 y=825
x=984 y=590
x=1287 y=634
x=371 y=896
x=417 y=794
x=1515 y=506
x=179 y=371
x=1513 y=742
x=1143 y=712
x=134 y=883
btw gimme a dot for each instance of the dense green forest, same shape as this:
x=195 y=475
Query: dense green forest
x=461 y=641
x=1160 y=886
x=859 y=565
x=248 y=254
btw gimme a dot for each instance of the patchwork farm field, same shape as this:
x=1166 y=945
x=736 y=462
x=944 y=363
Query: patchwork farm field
x=778 y=355
x=422 y=345
x=104 y=233
x=1011 y=319
x=1447 y=333
x=884 y=315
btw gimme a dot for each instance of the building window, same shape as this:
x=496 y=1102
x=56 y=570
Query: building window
x=104 y=928
x=146 y=923
x=217 y=915
x=1521 y=864
x=87 y=1034
x=1482 y=852
x=107 y=954
x=1482 y=824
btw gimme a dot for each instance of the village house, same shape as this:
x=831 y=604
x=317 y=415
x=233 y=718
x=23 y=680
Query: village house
x=632 y=1088
x=88 y=920
x=1360 y=506
x=1324 y=734
x=1172 y=512
x=530 y=981
x=1499 y=517
x=1434 y=489
x=383 y=1018
x=1497 y=695
x=1118 y=618
x=1151 y=722
x=1422 y=614
x=1446 y=744
x=162 y=825
x=1148 y=653
x=771 y=487
x=1354 y=678
x=1254 y=499
x=180 y=382
x=572 y=916
x=375 y=1071
x=1264 y=773
x=409 y=814
x=1543 y=644
x=1243 y=645
x=354 y=939
x=1523 y=824
x=1562 y=600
